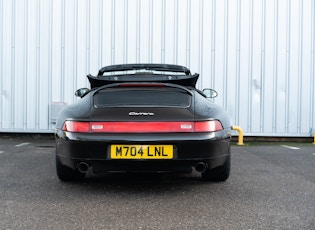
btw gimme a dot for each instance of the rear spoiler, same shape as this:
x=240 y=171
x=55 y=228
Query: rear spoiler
x=184 y=80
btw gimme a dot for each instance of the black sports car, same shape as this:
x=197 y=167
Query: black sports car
x=143 y=117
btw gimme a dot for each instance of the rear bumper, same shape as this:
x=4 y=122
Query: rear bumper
x=189 y=149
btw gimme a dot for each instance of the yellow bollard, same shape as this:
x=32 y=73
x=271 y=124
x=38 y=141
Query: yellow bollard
x=240 y=135
x=314 y=139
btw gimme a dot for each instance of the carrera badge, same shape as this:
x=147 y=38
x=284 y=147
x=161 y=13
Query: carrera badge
x=141 y=114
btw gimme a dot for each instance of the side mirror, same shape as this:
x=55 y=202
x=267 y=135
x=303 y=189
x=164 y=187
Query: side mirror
x=210 y=93
x=81 y=92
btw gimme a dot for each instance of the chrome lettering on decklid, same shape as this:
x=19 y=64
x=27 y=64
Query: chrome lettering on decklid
x=141 y=114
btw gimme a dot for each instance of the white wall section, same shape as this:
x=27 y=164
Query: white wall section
x=258 y=54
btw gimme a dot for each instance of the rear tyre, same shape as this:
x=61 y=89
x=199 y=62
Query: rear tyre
x=218 y=174
x=65 y=173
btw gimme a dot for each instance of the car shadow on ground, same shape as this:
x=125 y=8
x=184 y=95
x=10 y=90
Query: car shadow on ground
x=141 y=178
x=154 y=183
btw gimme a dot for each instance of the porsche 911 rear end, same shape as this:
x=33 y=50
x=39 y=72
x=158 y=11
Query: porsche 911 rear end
x=142 y=127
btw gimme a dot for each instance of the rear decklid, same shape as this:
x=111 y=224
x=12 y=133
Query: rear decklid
x=143 y=102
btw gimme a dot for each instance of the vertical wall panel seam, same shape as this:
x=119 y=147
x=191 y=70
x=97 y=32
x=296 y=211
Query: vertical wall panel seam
x=62 y=59
x=175 y=41
x=50 y=61
x=213 y=33
x=288 y=33
x=1 y=64
x=312 y=70
x=126 y=6
x=25 y=89
x=138 y=31
x=188 y=33
x=88 y=37
x=163 y=33
x=226 y=52
x=250 y=67
x=12 y=101
x=238 y=42
x=38 y=62
x=275 y=69
x=100 y=34
x=75 y=46
x=262 y=77
x=300 y=67
x=201 y=42
x=113 y=36
x=150 y=48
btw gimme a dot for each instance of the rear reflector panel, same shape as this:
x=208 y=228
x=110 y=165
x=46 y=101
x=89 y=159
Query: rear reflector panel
x=142 y=127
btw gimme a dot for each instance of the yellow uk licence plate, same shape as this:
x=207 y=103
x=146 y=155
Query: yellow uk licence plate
x=141 y=151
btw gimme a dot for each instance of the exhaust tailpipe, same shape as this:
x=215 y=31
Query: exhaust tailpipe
x=201 y=167
x=83 y=167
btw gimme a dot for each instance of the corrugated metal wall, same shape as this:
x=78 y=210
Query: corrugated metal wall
x=258 y=54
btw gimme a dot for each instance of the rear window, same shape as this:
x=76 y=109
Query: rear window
x=142 y=97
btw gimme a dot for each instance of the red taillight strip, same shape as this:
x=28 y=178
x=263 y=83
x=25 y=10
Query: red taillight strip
x=76 y=126
x=142 y=127
x=207 y=126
